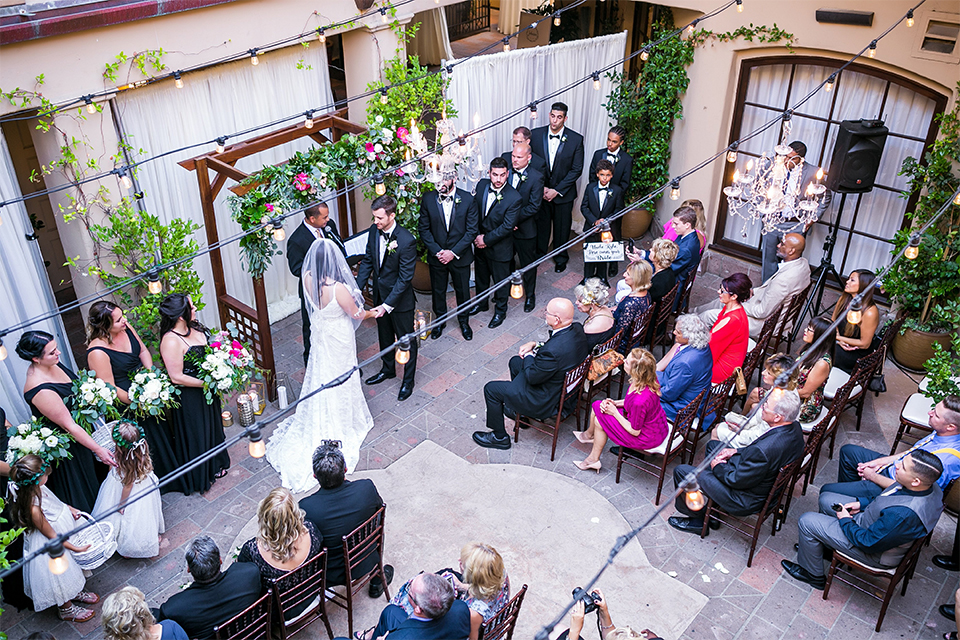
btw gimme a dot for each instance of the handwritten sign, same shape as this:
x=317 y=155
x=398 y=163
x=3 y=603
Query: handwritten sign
x=602 y=251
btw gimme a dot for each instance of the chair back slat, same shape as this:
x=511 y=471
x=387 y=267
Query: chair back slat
x=718 y=398
x=752 y=361
x=501 y=625
x=362 y=541
x=574 y=378
x=610 y=343
x=301 y=585
x=682 y=426
x=253 y=623
x=687 y=290
x=640 y=327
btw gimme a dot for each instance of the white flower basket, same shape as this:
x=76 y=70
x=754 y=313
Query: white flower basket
x=103 y=435
x=101 y=540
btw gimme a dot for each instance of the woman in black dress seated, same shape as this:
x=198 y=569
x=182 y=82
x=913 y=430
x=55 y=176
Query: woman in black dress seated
x=285 y=540
x=115 y=352
x=195 y=425
x=855 y=341
x=637 y=276
x=48 y=391
x=591 y=298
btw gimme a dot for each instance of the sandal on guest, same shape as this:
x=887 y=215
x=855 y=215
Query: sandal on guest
x=582 y=437
x=950 y=635
x=86 y=597
x=222 y=473
x=73 y=613
x=583 y=466
x=362 y=635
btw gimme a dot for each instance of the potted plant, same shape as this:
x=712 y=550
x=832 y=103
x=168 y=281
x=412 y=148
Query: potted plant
x=943 y=371
x=927 y=287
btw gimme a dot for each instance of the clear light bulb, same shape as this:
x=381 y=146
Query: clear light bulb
x=321 y=36
x=220 y=147
x=739 y=6
x=596 y=81
x=516 y=286
x=910 y=18
x=644 y=55
x=402 y=354
x=872 y=51
x=854 y=315
x=383 y=96
x=178 y=80
x=279 y=235
x=254 y=59
x=58 y=562
x=91 y=107
x=506 y=44
x=732 y=155
x=125 y=181
x=830 y=82
x=308 y=121
x=556 y=20
x=257 y=448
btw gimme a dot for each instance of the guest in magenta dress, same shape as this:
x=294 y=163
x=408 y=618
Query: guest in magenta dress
x=636 y=422
x=731 y=331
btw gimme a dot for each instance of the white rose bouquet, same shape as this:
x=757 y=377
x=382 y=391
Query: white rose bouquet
x=151 y=393
x=36 y=437
x=226 y=366
x=93 y=399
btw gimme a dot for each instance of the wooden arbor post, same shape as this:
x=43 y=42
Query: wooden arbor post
x=253 y=323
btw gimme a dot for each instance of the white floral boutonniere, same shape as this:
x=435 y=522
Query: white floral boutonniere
x=456 y=200
x=523 y=177
x=498 y=197
x=564 y=138
x=392 y=246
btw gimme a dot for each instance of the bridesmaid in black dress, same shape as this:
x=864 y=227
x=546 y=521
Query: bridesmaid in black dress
x=196 y=425
x=115 y=352
x=75 y=481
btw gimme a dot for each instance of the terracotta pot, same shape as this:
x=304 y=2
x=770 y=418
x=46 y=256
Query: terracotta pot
x=636 y=223
x=421 y=277
x=912 y=348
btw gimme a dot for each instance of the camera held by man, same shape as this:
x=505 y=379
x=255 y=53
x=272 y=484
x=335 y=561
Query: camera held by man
x=594 y=601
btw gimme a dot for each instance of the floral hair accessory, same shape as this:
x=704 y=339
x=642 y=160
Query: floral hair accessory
x=122 y=442
x=34 y=479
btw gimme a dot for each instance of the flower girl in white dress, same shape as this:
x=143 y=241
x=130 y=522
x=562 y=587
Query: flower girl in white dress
x=137 y=526
x=38 y=510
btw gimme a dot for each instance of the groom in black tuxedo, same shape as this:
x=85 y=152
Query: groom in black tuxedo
x=316 y=224
x=390 y=258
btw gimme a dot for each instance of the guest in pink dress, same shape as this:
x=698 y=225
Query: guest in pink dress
x=731 y=332
x=669 y=233
x=636 y=422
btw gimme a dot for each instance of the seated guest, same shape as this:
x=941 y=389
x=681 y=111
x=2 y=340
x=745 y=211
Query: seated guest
x=815 y=367
x=731 y=331
x=669 y=233
x=481 y=583
x=591 y=297
x=736 y=430
x=437 y=614
x=284 y=540
x=792 y=277
x=338 y=507
x=214 y=597
x=125 y=616
x=688 y=248
x=661 y=255
x=739 y=480
x=637 y=277
x=855 y=340
x=636 y=422
x=536 y=375
x=876 y=531
x=686 y=368
x=864 y=474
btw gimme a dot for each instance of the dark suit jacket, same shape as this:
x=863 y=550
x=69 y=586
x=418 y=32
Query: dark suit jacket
x=393 y=280
x=537 y=162
x=567 y=166
x=455 y=625
x=536 y=390
x=201 y=607
x=337 y=512
x=497 y=225
x=751 y=472
x=301 y=240
x=622 y=168
x=688 y=257
x=531 y=195
x=464 y=223
x=590 y=205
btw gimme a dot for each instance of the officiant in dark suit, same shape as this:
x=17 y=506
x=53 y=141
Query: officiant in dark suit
x=536 y=375
x=562 y=148
x=499 y=206
x=622 y=173
x=390 y=259
x=448 y=225
x=528 y=182
x=316 y=224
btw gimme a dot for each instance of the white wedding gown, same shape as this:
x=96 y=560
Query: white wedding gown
x=338 y=413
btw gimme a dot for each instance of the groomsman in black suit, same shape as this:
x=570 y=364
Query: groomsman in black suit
x=622 y=172
x=528 y=182
x=602 y=200
x=316 y=224
x=448 y=225
x=562 y=148
x=390 y=259
x=499 y=206
x=521 y=135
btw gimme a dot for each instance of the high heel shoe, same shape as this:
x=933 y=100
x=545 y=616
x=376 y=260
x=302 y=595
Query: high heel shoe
x=583 y=466
x=582 y=437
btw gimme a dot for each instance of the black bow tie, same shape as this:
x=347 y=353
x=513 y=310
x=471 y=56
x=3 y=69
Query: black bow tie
x=384 y=235
x=446 y=199
x=603 y=188
x=552 y=136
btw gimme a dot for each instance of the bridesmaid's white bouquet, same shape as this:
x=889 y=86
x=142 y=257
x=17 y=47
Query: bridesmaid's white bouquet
x=93 y=399
x=34 y=436
x=226 y=366
x=151 y=393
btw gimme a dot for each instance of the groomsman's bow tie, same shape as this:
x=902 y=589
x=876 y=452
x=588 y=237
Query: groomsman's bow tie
x=446 y=199
x=603 y=188
x=557 y=136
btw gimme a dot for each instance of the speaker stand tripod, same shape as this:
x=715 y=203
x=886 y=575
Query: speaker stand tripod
x=825 y=269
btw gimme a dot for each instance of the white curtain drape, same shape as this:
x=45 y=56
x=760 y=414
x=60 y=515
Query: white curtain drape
x=432 y=42
x=225 y=99
x=25 y=291
x=503 y=82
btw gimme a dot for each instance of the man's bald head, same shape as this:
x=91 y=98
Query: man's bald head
x=792 y=245
x=520 y=156
x=559 y=313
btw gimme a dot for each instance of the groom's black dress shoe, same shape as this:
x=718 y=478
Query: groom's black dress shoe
x=799 y=573
x=406 y=390
x=687 y=525
x=948 y=611
x=466 y=331
x=437 y=332
x=479 y=309
x=560 y=268
x=497 y=320
x=489 y=440
x=946 y=562
x=380 y=377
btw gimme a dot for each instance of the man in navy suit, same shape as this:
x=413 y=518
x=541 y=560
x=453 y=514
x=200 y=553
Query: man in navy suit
x=499 y=205
x=390 y=259
x=528 y=181
x=437 y=614
x=448 y=225
x=602 y=200
x=688 y=248
x=622 y=173
x=521 y=135
x=562 y=148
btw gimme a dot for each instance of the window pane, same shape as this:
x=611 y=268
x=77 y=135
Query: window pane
x=768 y=85
x=805 y=80
x=811 y=133
x=753 y=118
x=908 y=112
x=858 y=96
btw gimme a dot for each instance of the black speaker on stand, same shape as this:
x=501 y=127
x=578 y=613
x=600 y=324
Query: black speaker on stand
x=853 y=169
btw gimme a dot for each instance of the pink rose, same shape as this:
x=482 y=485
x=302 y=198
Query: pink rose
x=268 y=207
x=403 y=134
x=399 y=172
x=368 y=147
x=236 y=345
x=215 y=345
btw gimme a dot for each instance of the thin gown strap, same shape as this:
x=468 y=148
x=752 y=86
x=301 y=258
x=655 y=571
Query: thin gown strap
x=184 y=338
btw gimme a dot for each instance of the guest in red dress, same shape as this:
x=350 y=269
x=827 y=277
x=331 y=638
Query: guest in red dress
x=636 y=422
x=731 y=331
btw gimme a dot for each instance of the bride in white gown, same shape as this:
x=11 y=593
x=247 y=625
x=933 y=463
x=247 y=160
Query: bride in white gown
x=338 y=413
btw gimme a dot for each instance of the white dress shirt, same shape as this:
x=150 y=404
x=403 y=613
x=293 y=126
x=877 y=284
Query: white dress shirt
x=553 y=144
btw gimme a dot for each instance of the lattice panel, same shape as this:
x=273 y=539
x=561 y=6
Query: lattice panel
x=249 y=331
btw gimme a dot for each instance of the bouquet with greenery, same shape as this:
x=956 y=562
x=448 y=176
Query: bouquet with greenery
x=93 y=399
x=151 y=393
x=34 y=436
x=226 y=366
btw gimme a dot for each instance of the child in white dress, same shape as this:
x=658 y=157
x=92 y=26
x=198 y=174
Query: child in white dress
x=138 y=525
x=45 y=517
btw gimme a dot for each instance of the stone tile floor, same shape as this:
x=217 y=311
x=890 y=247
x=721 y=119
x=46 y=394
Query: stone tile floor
x=447 y=406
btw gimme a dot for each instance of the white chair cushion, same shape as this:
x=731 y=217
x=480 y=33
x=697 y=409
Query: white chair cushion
x=661 y=449
x=889 y=571
x=305 y=612
x=835 y=380
x=808 y=426
x=916 y=409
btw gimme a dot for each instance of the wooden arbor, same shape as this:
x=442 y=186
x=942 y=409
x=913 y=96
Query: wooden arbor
x=253 y=323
